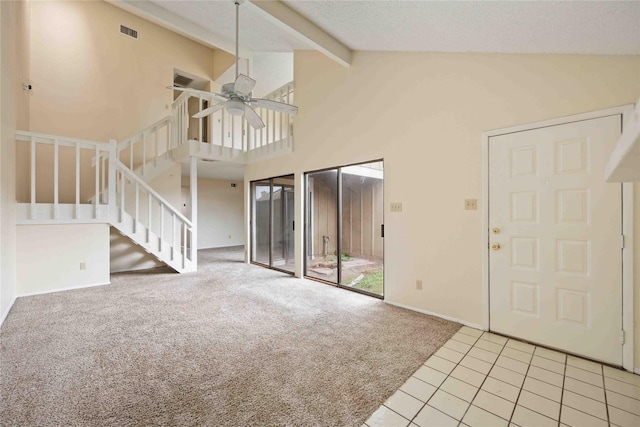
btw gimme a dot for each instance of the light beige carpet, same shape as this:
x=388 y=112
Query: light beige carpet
x=231 y=345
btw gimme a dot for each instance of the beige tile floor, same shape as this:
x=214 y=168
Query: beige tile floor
x=482 y=379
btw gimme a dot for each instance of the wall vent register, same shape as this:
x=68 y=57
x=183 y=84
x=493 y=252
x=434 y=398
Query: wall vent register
x=128 y=31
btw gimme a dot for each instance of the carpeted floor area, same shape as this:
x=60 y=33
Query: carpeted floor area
x=231 y=345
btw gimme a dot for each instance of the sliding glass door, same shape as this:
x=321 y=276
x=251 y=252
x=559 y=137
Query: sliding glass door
x=362 y=227
x=344 y=227
x=272 y=223
x=322 y=225
x=261 y=191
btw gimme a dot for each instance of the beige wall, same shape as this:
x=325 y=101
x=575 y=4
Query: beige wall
x=49 y=256
x=424 y=114
x=91 y=81
x=220 y=213
x=14 y=113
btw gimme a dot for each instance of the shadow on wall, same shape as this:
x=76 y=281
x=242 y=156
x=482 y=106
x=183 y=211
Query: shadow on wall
x=127 y=256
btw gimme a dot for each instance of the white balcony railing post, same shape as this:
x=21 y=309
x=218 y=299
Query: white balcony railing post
x=56 y=164
x=77 y=208
x=96 y=198
x=144 y=154
x=33 y=177
x=193 y=184
x=113 y=155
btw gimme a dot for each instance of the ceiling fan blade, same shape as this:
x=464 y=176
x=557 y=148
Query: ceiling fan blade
x=204 y=93
x=243 y=85
x=209 y=111
x=253 y=118
x=275 y=105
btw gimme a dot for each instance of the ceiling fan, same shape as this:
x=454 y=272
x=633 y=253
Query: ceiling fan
x=236 y=97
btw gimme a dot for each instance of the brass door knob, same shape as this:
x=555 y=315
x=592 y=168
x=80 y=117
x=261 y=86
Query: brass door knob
x=496 y=230
x=495 y=246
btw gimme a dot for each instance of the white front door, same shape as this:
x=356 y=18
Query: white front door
x=554 y=234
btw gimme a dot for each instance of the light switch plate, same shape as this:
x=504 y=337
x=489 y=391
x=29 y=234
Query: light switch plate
x=396 y=207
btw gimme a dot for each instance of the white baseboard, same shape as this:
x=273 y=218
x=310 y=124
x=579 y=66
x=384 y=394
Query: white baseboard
x=63 y=289
x=636 y=371
x=6 y=313
x=442 y=316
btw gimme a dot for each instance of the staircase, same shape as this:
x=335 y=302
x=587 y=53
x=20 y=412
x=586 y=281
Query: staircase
x=117 y=190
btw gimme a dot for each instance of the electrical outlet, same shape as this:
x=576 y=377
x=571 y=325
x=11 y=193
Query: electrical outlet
x=396 y=207
x=419 y=284
x=471 y=204
x=83 y=266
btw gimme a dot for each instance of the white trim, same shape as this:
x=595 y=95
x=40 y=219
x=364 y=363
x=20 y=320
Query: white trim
x=627 y=276
x=637 y=371
x=441 y=316
x=6 y=313
x=484 y=203
x=247 y=200
x=561 y=121
x=622 y=165
x=63 y=289
x=627 y=222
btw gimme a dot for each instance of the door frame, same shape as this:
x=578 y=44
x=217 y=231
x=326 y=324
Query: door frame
x=625 y=112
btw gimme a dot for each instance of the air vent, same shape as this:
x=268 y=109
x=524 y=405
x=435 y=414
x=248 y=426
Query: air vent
x=128 y=31
x=182 y=81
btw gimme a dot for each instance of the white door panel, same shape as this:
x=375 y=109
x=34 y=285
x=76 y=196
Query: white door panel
x=556 y=277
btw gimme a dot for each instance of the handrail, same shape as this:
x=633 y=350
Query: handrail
x=150 y=129
x=179 y=99
x=61 y=140
x=277 y=93
x=36 y=139
x=135 y=178
x=278 y=124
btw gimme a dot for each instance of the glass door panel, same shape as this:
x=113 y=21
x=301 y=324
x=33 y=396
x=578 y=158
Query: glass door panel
x=272 y=227
x=321 y=232
x=260 y=218
x=361 y=227
x=283 y=217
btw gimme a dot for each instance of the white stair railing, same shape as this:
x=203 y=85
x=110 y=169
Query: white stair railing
x=160 y=224
x=223 y=130
x=227 y=131
x=278 y=125
x=157 y=140
x=45 y=192
x=125 y=200
x=147 y=146
x=180 y=114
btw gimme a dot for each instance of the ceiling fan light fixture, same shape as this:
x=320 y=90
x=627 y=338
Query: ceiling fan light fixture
x=235 y=107
x=237 y=97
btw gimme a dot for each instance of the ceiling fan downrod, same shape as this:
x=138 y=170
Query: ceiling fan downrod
x=237 y=3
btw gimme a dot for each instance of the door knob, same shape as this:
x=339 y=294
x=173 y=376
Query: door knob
x=495 y=246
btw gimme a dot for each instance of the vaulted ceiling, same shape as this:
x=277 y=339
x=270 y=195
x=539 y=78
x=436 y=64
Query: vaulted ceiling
x=574 y=27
